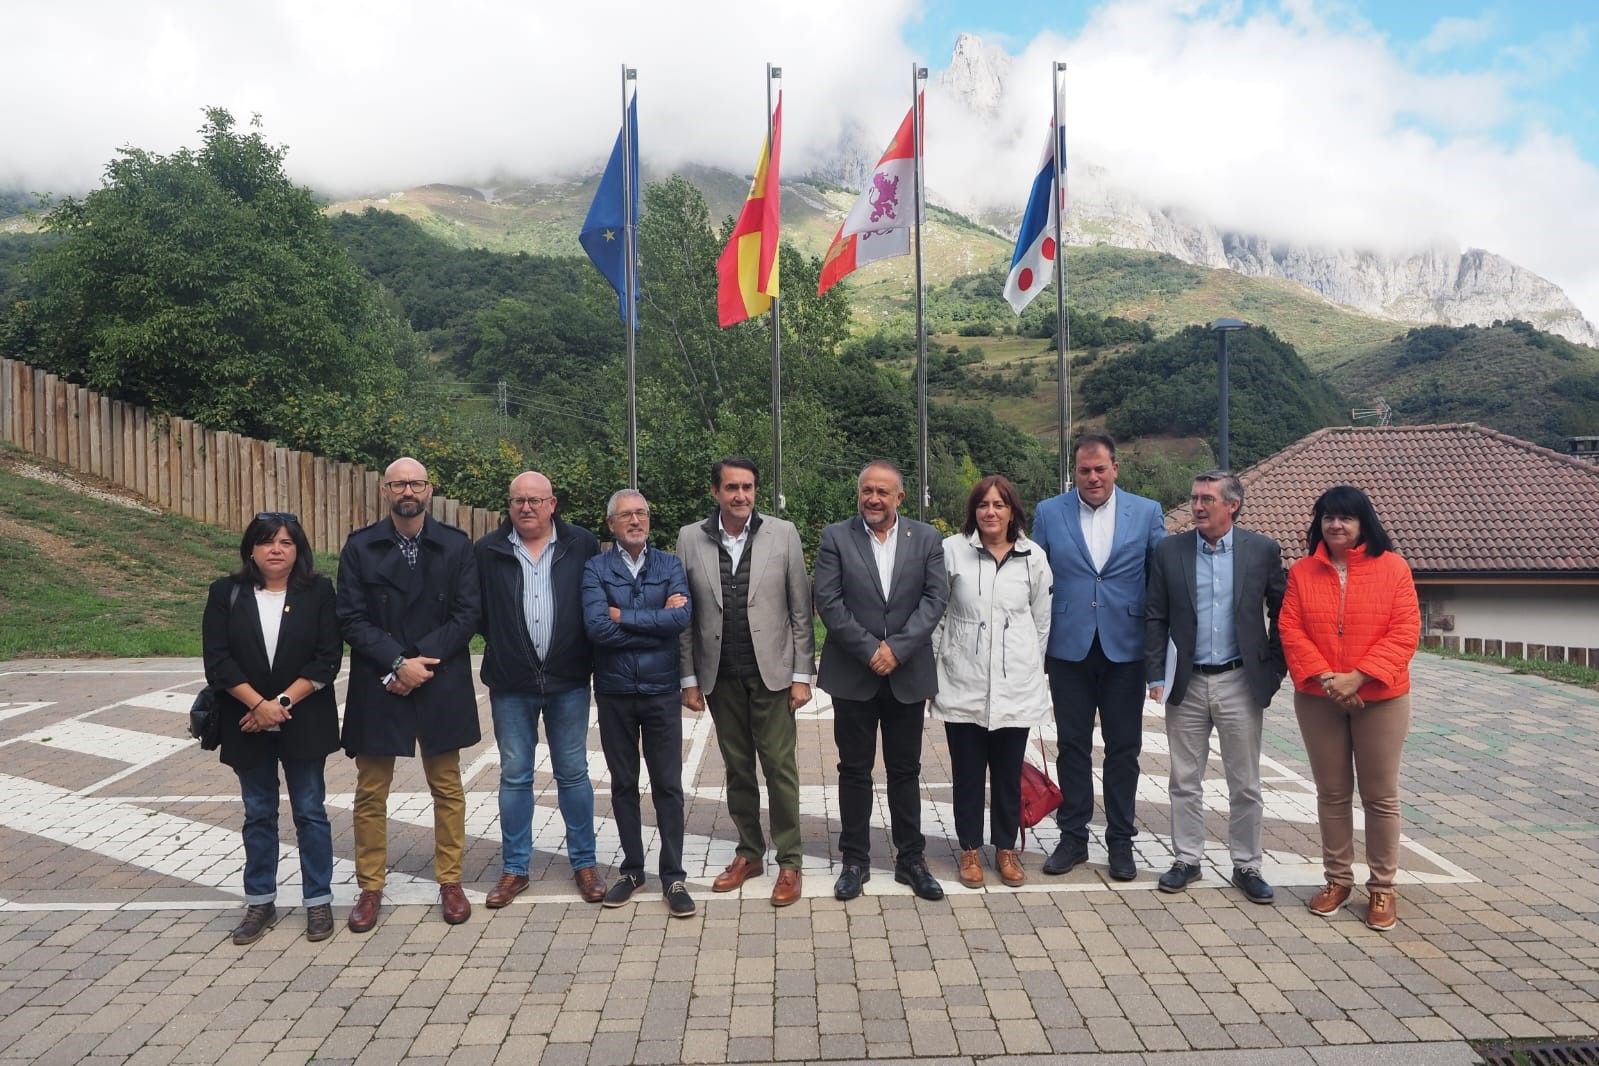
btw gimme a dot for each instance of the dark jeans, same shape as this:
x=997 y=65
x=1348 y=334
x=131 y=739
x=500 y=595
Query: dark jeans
x=1116 y=691
x=654 y=724
x=307 y=790
x=979 y=756
x=855 y=727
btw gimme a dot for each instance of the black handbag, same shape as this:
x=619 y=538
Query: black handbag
x=205 y=717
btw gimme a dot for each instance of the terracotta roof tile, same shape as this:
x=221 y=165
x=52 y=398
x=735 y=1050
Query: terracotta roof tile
x=1455 y=498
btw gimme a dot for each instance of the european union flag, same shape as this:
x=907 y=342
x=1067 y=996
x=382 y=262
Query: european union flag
x=603 y=233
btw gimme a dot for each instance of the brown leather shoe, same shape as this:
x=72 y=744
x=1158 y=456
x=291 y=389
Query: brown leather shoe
x=364 y=915
x=787 y=889
x=971 y=868
x=590 y=885
x=1008 y=861
x=457 y=908
x=507 y=888
x=1382 y=911
x=738 y=871
x=1327 y=902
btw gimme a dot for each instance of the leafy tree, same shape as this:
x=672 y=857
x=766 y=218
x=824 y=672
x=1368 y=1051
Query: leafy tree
x=205 y=283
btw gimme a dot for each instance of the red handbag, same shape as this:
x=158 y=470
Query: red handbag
x=1040 y=795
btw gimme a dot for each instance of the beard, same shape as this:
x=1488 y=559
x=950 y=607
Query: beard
x=407 y=508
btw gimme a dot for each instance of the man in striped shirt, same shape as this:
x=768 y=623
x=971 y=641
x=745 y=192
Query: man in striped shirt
x=536 y=664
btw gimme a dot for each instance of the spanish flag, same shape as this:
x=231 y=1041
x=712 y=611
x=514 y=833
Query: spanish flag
x=746 y=271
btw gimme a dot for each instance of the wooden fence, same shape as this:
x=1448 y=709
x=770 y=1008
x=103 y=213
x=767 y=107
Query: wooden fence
x=212 y=476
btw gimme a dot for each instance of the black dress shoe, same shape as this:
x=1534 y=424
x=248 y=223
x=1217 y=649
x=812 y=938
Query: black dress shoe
x=1253 y=885
x=1069 y=853
x=1180 y=876
x=916 y=874
x=1122 y=866
x=849 y=883
x=258 y=918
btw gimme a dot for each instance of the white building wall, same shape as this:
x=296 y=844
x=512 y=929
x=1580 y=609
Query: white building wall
x=1565 y=615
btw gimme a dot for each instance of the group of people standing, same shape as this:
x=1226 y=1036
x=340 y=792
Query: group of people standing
x=993 y=631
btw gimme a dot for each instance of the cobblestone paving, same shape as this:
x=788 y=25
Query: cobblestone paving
x=120 y=866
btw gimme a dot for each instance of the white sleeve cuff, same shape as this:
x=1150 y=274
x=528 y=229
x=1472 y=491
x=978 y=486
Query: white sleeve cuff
x=689 y=682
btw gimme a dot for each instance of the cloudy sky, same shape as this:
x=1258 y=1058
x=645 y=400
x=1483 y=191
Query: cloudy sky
x=1360 y=123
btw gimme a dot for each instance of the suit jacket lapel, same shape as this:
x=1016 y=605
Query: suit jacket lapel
x=760 y=556
x=1124 y=525
x=709 y=552
x=1074 y=526
x=902 y=554
x=1190 y=553
x=1241 y=552
x=252 y=617
x=862 y=538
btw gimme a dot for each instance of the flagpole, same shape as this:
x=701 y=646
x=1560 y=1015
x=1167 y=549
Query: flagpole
x=924 y=498
x=630 y=276
x=777 y=335
x=1063 y=366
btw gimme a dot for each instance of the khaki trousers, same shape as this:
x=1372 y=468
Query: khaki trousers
x=1347 y=748
x=373 y=776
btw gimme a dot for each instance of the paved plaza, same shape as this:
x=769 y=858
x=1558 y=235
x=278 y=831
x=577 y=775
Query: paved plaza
x=120 y=871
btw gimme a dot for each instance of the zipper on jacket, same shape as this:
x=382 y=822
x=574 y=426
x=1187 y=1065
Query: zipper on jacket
x=1004 y=647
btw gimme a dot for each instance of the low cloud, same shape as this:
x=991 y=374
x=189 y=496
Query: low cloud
x=1284 y=121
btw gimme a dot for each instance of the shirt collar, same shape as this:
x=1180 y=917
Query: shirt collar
x=740 y=535
x=1224 y=547
x=1110 y=502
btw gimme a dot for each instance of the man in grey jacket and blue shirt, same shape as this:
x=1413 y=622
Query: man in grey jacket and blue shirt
x=1211 y=593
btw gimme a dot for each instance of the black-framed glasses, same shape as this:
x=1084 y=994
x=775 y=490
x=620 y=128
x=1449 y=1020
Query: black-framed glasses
x=530 y=501
x=401 y=486
x=286 y=517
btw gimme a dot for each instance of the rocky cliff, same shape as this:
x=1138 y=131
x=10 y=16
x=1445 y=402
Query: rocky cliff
x=1447 y=286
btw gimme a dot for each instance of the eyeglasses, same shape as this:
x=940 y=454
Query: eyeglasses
x=401 y=486
x=277 y=516
x=530 y=501
x=628 y=516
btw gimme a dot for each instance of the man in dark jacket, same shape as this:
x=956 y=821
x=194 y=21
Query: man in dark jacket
x=408 y=606
x=536 y=663
x=635 y=603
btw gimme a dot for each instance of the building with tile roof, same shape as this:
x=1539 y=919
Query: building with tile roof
x=1502 y=534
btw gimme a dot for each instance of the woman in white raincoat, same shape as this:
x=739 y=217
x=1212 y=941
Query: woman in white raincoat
x=991 y=684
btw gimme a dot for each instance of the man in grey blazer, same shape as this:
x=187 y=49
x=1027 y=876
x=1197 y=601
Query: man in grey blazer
x=748 y=652
x=880 y=590
x=1211 y=592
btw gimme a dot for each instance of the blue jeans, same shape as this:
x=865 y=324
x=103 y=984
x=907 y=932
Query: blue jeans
x=516 y=732
x=307 y=789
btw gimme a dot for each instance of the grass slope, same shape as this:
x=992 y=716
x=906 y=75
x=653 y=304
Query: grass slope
x=82 y=577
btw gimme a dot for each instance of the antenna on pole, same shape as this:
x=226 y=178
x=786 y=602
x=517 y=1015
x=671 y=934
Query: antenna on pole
x=1378 y=413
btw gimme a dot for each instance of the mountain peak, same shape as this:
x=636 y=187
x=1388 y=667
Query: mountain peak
x=976 y=73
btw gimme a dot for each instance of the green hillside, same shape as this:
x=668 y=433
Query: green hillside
x=1509 y=376
x=1141 y=286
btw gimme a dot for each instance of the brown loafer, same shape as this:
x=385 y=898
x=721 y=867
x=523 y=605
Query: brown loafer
x=1382 y=911
x=364 y=915
x=1331 y=897
x=971 y=868
x=457 y=908
x=738 y=871
x=787 y=889
x=1008 y=861
x=507 y=888
x=590 y=885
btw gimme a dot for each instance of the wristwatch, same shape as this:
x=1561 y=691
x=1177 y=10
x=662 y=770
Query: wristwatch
x=284 y=701
x=399 y=661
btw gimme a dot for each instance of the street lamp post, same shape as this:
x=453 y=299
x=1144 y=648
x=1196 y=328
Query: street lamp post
x=1221 y=327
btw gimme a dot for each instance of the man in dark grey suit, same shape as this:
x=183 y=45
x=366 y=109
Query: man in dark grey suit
x=880 y=590
x=1211 y=593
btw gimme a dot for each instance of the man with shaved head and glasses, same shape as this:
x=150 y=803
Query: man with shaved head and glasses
x=536 y=664
x=408 y=606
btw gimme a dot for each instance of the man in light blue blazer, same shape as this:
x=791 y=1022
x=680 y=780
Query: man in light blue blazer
x=1099 y=541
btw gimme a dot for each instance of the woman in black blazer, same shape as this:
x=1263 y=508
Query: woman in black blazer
x=272 y=650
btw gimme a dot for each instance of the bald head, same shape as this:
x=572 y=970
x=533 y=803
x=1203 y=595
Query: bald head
x=531 y=505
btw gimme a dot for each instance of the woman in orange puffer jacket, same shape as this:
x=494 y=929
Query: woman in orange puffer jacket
x=1350 y=623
